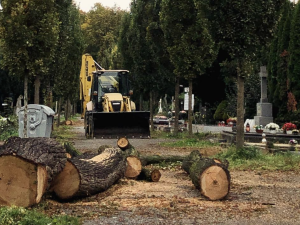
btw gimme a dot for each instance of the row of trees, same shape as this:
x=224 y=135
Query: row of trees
x=41 y=43
x=284 y=65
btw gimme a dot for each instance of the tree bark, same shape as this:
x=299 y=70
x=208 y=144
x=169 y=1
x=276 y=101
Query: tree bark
x=59 y=112
x=190 y=159
x=154 y=159
x=37 y=84
x=190 y=112
x=210 y=177
x=151 y=111
x=85 y=177
x=176 y=125
x=152 y=175
x=27 y=166
x=25 y=104
x=240 y=112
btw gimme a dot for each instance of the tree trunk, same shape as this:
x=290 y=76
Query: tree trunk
x=240 y=112
x=190 y=112
x=25 y=104
x=152 y=175
x=210 y=177
x=27 y=166
x=176 y=126
x=59 y=112
x=37 y=84
x=155 y=159
x=141 y=102
x=85 y=177
x=151 y=111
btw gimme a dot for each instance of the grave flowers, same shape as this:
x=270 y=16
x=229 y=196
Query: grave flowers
x=258 y=128
x=293 y=142
x=289 y=126
x=272 y=126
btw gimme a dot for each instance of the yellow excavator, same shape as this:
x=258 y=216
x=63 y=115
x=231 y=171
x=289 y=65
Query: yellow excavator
x=107 y=109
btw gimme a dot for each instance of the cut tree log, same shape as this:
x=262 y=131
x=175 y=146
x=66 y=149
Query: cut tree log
x=123 y=143
x=155 y=159
x=210 y=177
x=85 y=177
x=27 y=167
x=134 y=167
x=152 y=175
x=69 y=122
x=190 y=159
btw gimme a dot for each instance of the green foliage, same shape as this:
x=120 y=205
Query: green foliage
x=8 y=128
x=29 y=31
x=22 y=216
x=294 y=51
x=221 y=113
x=246 y=153
x=100 y=30
x=192 y=49
x=66 y=65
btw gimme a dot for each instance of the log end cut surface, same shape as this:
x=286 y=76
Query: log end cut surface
x=21 y=183
x=155 y=175
x=66 y=184
x=134 y=167
x=214 y=183
x=123 y=143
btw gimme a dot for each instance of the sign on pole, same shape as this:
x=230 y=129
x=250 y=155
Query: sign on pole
x=186 y=102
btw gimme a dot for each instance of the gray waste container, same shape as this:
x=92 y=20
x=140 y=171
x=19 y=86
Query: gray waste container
x=39 y=121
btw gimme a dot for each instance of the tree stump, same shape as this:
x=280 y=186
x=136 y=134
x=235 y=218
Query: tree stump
x=152 y=175
x=27 y=166
x=210 y=177
x=84 y=177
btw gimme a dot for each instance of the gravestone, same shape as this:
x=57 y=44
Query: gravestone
x=263 y=108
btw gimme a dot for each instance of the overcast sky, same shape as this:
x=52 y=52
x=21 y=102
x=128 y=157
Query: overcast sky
x=86 y=5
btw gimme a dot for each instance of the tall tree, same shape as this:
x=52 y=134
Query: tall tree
x=143 y=49
x=278 y=62
x=243 y=27
x=294 y=51
x=29 y=31
x=189 y=43
x=66 y=65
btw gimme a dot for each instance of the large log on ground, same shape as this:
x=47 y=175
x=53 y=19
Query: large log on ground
x=123 y=143
x=210 y=177
x=152 y=175
x=155 y=159
x=27 y=166
x=84 y=177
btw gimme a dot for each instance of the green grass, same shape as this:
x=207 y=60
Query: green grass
x=62 y=133
x=252 y=158
x=190 y=142
x=22 y=216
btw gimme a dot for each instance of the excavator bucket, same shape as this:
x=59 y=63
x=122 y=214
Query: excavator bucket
x=117 y=124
